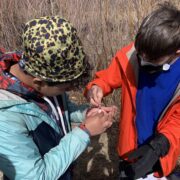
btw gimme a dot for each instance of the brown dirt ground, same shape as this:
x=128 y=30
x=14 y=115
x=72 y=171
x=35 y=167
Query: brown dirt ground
x=100 y=160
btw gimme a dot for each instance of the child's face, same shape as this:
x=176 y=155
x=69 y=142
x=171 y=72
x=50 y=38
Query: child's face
x=47 y=90
x=161 y=64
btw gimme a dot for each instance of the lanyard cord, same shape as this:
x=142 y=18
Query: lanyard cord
x=60 y=114
x=52 y=107
x=55 y=111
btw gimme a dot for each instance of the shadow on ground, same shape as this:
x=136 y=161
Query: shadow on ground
x=100 y=160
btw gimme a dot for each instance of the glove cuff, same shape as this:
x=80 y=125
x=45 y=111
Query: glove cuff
x=160 y=144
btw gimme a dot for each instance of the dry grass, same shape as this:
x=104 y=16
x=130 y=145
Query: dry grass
x=104 y=26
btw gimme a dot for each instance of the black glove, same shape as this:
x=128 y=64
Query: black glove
x=146 y=157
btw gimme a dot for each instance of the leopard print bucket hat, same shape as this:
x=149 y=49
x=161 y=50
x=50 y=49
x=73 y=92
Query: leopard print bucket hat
x=52 y=50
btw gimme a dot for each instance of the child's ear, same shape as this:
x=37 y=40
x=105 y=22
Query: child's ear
x=38 y=84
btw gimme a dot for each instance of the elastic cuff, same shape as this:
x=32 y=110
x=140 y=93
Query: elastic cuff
x=83 y=127
x=160 y=145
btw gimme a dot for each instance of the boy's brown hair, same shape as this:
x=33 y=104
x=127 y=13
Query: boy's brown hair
x=159 y=33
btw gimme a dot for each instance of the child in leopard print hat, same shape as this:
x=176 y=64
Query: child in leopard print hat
x=35 y=133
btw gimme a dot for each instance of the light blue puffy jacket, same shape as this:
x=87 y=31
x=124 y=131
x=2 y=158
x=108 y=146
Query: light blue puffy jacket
x=20 y=158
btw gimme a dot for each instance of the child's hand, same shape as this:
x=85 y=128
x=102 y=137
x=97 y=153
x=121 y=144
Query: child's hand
x=95 y=95
x=109 y=109
x=93 y=111
x=99 y=122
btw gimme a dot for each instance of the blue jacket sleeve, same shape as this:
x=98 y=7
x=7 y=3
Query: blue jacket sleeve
x=76 y=112
x=20 y=158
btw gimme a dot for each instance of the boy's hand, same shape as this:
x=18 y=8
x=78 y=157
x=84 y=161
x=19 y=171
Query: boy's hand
x=95 y=95
x=112 y=109
x=93 y=111
x=145 y=158
x=98 y=123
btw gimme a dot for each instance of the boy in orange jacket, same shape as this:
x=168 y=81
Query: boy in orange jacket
x=148 y=73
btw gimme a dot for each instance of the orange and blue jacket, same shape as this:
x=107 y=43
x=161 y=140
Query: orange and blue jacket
x=123 y=73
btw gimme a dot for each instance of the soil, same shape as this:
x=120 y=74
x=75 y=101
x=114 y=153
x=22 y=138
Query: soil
x=100 y=160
